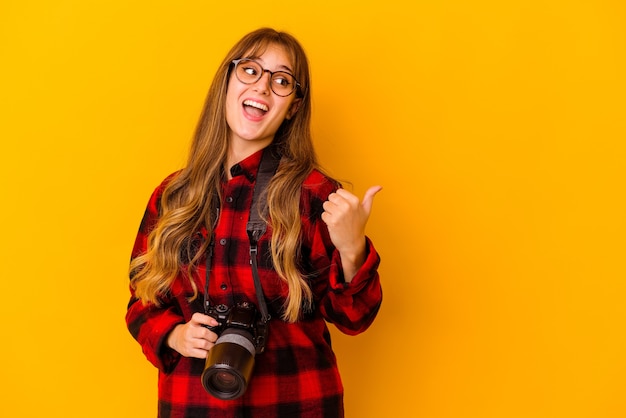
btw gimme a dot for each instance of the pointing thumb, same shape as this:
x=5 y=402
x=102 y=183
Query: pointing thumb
x=368 y=199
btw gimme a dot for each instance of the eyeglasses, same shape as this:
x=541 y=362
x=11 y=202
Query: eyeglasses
x=248 y=71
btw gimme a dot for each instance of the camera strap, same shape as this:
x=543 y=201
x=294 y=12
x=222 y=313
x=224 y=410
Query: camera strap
x=255 y=227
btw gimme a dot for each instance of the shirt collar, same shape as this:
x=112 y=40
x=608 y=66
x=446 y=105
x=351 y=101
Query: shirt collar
x=248 y=166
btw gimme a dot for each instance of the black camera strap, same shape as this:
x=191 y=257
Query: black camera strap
x=255 y=227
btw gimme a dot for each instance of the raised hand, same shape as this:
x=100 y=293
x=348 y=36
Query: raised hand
x=346 y=216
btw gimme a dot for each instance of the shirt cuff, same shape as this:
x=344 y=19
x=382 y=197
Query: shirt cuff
x=156 y=350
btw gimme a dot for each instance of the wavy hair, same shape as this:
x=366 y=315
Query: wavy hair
x=189 y=199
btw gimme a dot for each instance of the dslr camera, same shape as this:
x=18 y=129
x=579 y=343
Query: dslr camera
x=229 y=364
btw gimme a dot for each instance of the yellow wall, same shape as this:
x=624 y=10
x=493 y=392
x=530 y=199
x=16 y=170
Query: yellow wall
x=496 y=127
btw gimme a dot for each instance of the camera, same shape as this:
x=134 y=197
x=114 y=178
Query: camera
x=229 y=364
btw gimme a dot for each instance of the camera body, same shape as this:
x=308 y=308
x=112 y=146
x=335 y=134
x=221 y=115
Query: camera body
x=242 y=316
x=229 y=364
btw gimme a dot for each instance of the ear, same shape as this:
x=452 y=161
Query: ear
x=293 y=108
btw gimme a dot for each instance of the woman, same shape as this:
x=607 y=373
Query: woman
x=315 y=263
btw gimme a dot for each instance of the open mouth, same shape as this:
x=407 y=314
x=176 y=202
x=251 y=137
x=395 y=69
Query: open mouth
x=255 y=109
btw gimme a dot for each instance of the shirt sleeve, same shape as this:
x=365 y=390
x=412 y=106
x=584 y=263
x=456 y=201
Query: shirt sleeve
x=150 y=324
x=352 y=306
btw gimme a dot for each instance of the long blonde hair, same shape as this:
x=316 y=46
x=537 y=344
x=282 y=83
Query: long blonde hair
x=189 y=199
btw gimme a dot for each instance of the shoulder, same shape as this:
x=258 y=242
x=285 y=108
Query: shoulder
x=154 y=204
x=158 y=191
x=319 y=184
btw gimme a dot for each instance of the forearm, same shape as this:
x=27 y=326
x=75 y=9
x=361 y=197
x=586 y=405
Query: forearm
x=352 y=261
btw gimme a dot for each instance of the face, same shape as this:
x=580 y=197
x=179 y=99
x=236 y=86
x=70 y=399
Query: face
x=253 y=112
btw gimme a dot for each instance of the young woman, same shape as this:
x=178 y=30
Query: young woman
x=315 y=263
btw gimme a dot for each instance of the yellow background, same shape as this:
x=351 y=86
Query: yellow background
x=496 y=128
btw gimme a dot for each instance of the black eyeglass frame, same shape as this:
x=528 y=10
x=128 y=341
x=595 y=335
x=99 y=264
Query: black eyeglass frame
x=297 y=85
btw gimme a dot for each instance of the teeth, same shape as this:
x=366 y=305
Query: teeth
x=256 y=104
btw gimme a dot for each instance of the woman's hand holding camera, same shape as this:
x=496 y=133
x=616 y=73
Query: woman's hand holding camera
x=193 y=339
x=346 y=216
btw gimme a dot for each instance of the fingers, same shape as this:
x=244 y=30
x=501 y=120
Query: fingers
x=200 y=345
x=197 y=353
x=198 y=331
x=202 y=319
x=343 y=199
x=200 y=334
x=194 y=339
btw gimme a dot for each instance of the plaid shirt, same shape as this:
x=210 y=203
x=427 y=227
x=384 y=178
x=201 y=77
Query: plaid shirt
x=297 y=375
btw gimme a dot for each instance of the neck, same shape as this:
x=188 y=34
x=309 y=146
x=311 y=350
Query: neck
x=240 y=150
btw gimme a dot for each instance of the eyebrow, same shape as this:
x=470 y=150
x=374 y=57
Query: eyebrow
x=280 y=67
x=289 y=70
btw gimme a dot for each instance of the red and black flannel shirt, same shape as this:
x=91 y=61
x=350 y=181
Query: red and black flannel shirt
x=297 y=375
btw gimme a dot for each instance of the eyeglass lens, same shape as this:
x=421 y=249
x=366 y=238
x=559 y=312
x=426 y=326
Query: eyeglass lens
x=249 y=72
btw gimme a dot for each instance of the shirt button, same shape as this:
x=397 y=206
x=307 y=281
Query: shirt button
x=223 y=241
x=223 y=286
x=229 y=199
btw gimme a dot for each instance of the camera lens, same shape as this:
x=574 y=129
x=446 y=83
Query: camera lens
x=224 y=381
x=229 y=365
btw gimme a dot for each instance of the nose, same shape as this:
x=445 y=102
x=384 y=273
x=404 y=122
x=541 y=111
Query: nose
x=262 y=85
